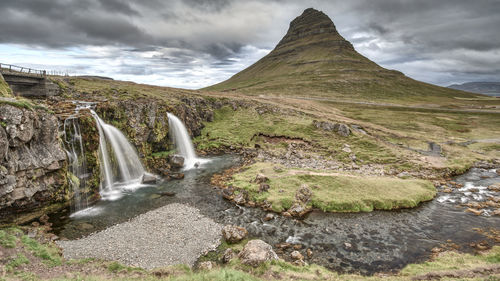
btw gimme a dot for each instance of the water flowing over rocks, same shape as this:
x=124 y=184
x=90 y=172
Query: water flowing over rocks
x=173 y=234
x=32 y=161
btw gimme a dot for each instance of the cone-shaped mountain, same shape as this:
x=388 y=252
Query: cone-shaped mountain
x=314 y=60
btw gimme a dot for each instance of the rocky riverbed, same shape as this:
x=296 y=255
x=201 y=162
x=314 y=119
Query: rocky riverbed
x=362 y=242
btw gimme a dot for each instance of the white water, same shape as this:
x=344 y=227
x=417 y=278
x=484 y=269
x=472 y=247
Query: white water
x=77 y=163
x=121 y=168
x=182 y=142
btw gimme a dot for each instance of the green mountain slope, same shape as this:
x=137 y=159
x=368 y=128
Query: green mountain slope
x=314 y=60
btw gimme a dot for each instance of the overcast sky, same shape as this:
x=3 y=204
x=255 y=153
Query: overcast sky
x=196 y=43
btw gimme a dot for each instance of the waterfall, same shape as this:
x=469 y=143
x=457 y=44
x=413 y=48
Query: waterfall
x=77 y=163
x=120 y=165
x=182 y=142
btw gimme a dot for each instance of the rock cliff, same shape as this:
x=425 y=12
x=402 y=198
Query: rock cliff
x=32 y=161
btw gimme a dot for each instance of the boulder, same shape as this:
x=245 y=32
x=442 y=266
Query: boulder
x=228 y=255
x=148 y=179
x=177 y=161
x=268 y=217
x=343 y=130
x=339 y=128
x=264 y=187
x=233 y=233
x=260 y=178
x=296 y=255
x=257 y=252
x=303 y=194
x=297 y=210
x=206 y=265
x=240 y=198
x=309 y=253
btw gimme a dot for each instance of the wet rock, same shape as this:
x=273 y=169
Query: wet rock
x=264 y=187
x=177 y=161
x=206 y=265
x=228 y=193
x=257 y=252
x=268 y=217
x=299 y=263
x=474 y=211
x=261 y=178
x=148 y=179
x=240 y=198
x=303 y=194
x=177 y=176
x=166 y=193
x=298 y=210
x=228 y=255
x=85 y=226
x=233 y=233
x=309 y=253
x=494 y=187
x=296 y=255
x=283 y=246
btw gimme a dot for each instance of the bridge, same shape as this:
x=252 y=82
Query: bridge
x=27 y=81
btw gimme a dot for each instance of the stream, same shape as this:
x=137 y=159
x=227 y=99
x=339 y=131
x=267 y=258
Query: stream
x=365 y=243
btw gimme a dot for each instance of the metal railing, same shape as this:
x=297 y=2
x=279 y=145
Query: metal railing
x=14 y=69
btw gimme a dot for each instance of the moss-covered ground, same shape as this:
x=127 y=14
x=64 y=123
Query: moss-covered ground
x=333 y=192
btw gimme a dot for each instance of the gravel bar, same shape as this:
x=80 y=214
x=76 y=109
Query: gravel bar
x=173 y=234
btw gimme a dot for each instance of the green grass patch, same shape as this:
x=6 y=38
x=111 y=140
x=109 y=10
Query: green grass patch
x=7 y=240
x=454 y=261
x=48 y=254
x=118 y=267
x=19 y=260
x=5 y=90
x=334 y=192
x=163 y=154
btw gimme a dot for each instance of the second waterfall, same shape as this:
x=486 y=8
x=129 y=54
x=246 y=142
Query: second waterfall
x=182 y=142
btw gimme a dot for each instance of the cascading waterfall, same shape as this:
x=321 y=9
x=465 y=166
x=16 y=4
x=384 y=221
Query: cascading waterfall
x=77 y=163
x=182 y=142
x=121 y=168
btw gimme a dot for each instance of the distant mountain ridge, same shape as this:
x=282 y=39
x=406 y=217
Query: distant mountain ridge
x=314 y=60
x=487 y=88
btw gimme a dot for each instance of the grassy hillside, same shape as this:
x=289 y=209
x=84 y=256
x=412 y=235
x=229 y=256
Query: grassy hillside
x=314 y=60
x=5 y=90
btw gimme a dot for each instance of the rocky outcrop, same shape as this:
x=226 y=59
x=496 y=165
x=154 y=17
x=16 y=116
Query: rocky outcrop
x=32 y=162
x=339 y=128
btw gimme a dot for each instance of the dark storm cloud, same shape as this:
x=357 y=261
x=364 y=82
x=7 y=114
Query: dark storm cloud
x=437 y=41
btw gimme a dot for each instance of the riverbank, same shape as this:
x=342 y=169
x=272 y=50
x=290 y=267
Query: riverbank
x=28 y=254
